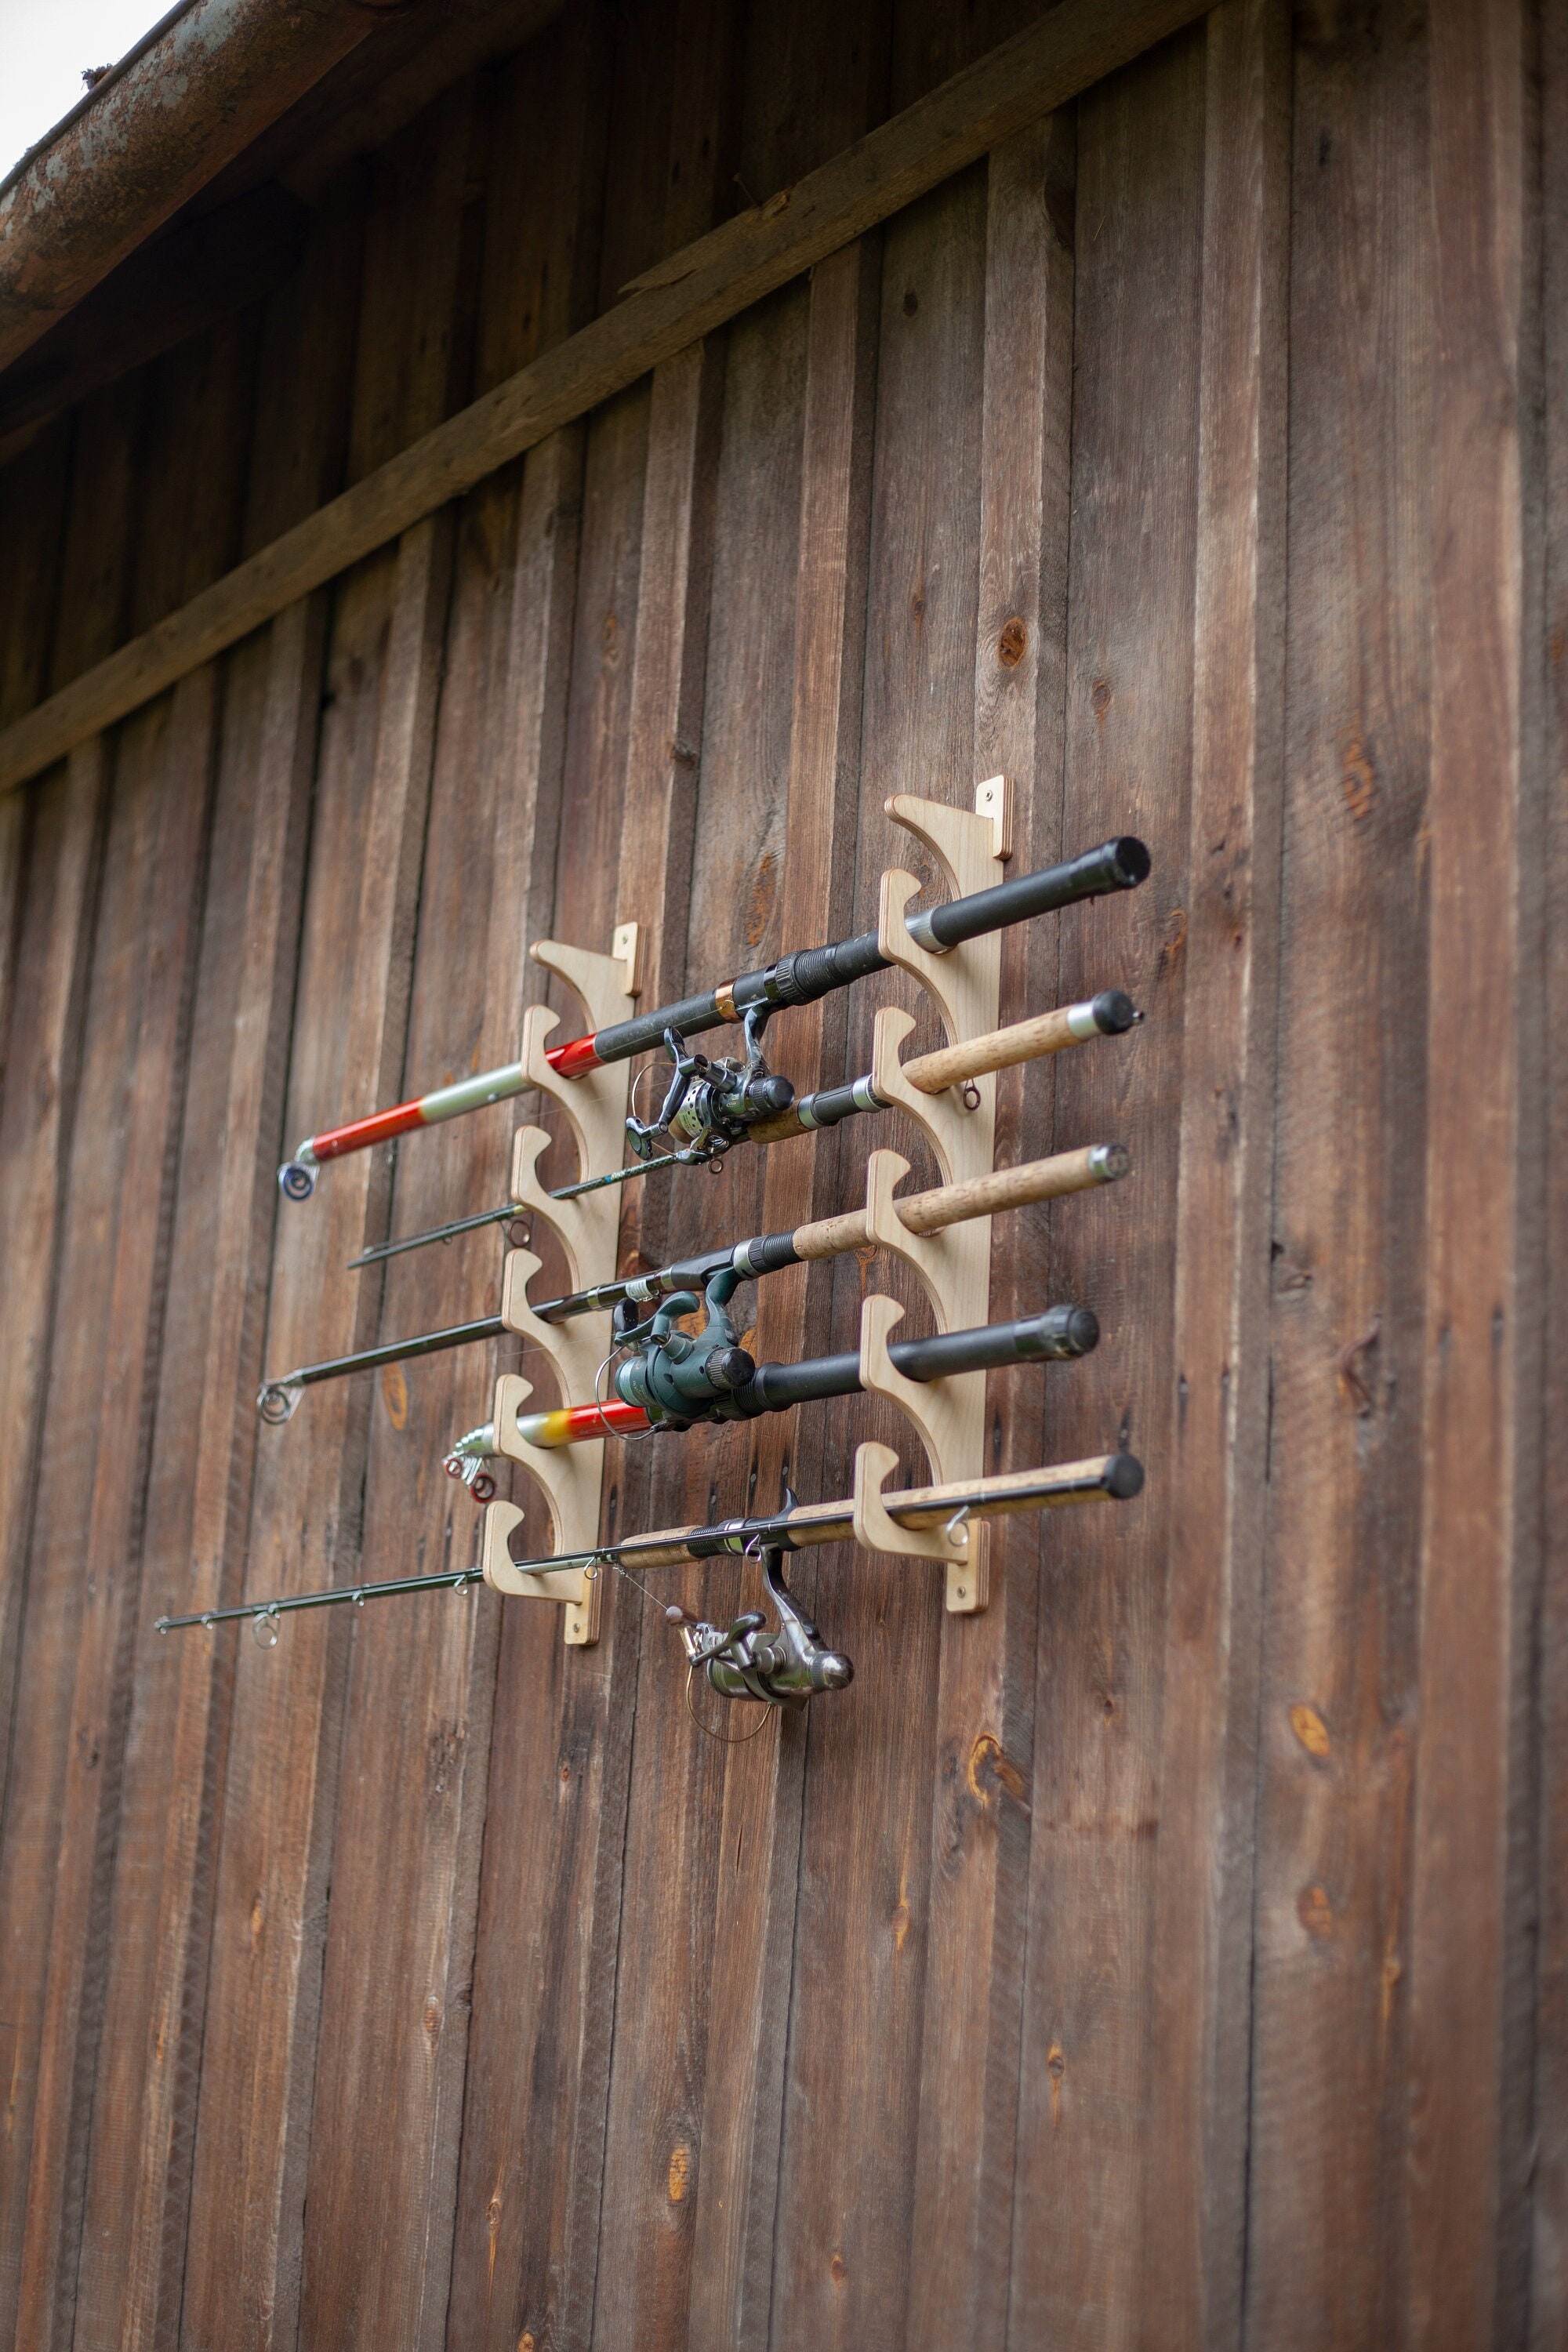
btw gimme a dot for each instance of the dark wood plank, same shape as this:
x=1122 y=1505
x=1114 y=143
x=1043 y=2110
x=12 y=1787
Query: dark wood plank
x=372 y=778
x=672 y=305
x=1078 y=2252
x=1194 y=2195
x=67 y=1725
x=57 y=856
x=259 y=2053
x=969 y=2090
x=394 y=2036
x=189 y=484
x=845 y=2201
x=720 y=914
x=1472 y=1858
x=48 y=869
x=533 y=2108
x=1337 y=1708
x=669 y=663
x=758 y=1824
x=1549 y=2247
x=205 y=1431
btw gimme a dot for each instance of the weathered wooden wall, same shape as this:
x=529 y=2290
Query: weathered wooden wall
x=1177 y=1953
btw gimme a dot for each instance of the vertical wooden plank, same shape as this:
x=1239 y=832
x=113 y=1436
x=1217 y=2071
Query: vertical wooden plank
x=373 y=779
x=1549 y=2251
x=844 y=2256
x=1077 y=2267
x=133 y=2235
x=724 y=892
x=173 y=773
x=1195 y=2197
x=758 y=1829
x=69 y=1769
x=1472 y=1867
x=667 y=667
x=1327 y=2254
x=204 y=1431
x=51 y=961
x=528 y=2189
x=980 y=1829
x=394 y=2043
x=62 y=851
x=253 y=2122
x=390 y=2082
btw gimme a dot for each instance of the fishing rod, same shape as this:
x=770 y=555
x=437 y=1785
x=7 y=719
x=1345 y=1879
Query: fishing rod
x=925 y=1213
x=1109 y=1478
x=1109 y=1015
x=799 y=978
x=673 y=1380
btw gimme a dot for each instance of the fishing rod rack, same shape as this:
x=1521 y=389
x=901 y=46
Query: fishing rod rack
x=663 y=1375
x=954 y=1266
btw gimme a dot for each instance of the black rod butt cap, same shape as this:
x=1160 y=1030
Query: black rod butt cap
x=1114 y=1012
x=1083 y=1330
x=1133 y=861
x=1124 y=1478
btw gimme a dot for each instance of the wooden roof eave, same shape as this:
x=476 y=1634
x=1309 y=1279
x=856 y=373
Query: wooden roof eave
x=672 y=306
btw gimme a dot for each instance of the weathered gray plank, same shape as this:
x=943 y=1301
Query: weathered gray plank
x=1472 y=1837
x=1199 y=2023
x=1078 y=2251
x=1337 y=1711
x=969 y=2090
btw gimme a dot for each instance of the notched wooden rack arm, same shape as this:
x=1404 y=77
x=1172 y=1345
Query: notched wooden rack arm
x=684 y=299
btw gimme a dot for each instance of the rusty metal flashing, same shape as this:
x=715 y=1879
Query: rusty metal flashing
x=193 y=93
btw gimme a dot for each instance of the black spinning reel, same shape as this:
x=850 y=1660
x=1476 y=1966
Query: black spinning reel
x=784 y=1667
x=711 y=1105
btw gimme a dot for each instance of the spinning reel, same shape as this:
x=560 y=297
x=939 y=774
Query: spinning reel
x=783 y=1668
x=674 y=1376
x=710 y=1105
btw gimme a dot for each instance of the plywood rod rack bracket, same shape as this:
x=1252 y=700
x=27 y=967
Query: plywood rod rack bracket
x=954 y=1267
x=588 y=1229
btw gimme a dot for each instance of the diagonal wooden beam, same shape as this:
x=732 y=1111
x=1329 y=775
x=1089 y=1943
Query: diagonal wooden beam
x=673 y=305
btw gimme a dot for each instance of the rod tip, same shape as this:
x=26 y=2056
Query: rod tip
x=295 y=1181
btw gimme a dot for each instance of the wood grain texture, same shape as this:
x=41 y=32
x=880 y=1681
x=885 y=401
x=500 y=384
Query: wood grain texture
x=1549 y=2203
x=758 y=1825
x=843 y=2240
x=969 y=2088
x=528 y=2201
x=190 y=484
x=677 y=303
x=1085 y=2065
x=1338 y=1722
x=724 y=900
x=526 y=2254
x=1194 y=2212
x=144 y=2098
x=68 y=1719
x=202 y=1455
x=253 y=2121
x=406 y=1870
x=1471 y=1859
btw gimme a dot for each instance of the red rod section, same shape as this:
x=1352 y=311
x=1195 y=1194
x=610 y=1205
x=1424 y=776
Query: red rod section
x=380 y=1127
x=570 y=1060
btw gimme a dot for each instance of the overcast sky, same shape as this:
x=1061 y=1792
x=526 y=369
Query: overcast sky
x=46 y=46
